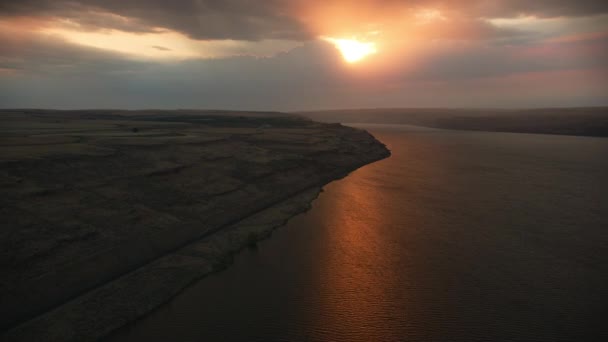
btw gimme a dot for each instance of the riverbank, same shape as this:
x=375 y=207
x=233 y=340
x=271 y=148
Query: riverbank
x=111 y=213
x=585 y=121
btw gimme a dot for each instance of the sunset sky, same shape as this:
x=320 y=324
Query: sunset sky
x=302 y=54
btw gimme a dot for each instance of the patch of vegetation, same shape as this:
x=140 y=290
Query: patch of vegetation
x=223 y=262
x=230 y=121
x=252 y=240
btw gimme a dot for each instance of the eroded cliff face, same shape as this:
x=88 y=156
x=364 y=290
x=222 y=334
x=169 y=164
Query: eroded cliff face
x=90 y=197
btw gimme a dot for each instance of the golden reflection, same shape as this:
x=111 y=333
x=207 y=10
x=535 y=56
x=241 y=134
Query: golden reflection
x=356 y=276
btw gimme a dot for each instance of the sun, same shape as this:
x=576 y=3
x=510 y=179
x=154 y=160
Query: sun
x=353 y=50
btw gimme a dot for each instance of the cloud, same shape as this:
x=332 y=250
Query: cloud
x=207 y=19
x=60 y=75
x=274 y=19
x=30 y=53
x=540 y=8
x=264 y=54
x=465 y=61
x=160 y=48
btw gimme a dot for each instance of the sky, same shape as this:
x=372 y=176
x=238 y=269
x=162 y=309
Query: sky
x=293 y=55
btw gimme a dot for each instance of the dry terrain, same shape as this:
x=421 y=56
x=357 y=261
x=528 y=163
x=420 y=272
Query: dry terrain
x=107 y=214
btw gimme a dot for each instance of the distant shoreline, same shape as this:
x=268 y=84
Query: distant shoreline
x=591 y=121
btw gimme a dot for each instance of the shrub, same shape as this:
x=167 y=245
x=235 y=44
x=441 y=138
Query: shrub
x=252 y=239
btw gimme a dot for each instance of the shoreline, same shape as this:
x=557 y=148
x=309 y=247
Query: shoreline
x=131 y=296
x=81 y=319
x=584 y=121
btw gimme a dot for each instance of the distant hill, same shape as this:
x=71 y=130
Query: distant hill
x=592 y=121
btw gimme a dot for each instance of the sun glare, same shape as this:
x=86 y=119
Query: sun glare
x=353 y=50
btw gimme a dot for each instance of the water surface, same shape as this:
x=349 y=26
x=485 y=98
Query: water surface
x=459 y=236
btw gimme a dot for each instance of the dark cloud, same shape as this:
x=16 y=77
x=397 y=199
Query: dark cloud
x=214 y=19
x=199 y=19
x=264 y=19
x=540 y=8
